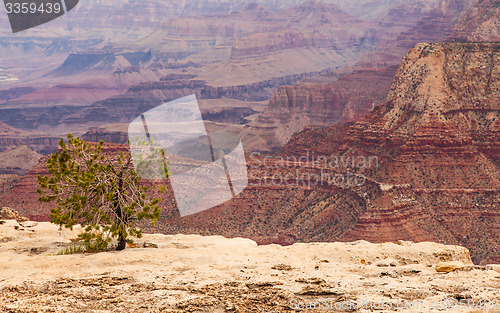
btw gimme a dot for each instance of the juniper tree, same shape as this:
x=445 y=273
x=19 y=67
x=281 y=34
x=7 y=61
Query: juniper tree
x=101 y=193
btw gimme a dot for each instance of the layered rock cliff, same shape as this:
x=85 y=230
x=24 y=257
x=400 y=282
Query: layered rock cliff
x=437 y=138
x=18 y=160
x=369 y=80
x=480 y=23
x=292 y=108
x=304 y=28
x=242 y=51
x=435 y=174
x=11 y=137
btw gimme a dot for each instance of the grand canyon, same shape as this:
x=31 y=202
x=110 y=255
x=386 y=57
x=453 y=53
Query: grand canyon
x=361 y=120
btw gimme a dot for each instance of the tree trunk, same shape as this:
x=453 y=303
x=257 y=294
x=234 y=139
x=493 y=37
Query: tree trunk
x=121 y=243
x=121 y=239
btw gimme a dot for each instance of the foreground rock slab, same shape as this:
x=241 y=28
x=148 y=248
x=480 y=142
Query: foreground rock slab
x=187 y=273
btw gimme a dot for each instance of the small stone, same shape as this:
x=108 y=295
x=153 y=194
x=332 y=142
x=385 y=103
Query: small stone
x=38 y=250
x=282 y=267
x=314 y=281
x=386 y=263
x=404 y=243
x=446 y=267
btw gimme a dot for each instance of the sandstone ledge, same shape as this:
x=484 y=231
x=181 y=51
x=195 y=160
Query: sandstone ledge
x=188 y=273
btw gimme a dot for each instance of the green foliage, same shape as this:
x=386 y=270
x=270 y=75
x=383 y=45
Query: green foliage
x=82 y=247
x=73 y=248
x=102 y=194
x=149 y=158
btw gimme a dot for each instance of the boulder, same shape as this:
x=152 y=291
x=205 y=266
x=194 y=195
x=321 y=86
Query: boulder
x=10 y=214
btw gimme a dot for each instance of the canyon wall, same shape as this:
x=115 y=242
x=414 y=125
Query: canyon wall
x=11 y=137
x=292 y=108
x=480 y=23
x=437 y=138
x=361 y=86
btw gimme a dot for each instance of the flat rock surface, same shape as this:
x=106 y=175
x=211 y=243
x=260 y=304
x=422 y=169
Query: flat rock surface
x=188 y=273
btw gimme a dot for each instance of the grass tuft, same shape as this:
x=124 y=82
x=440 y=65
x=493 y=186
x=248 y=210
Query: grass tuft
x=82 y=247
x=73 y=248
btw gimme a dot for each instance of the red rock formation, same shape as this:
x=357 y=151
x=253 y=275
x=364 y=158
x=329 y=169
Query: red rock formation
x=96 y=134
x=246 y=50
x=437 y=140
x=259 y=91
x=23 y=197
x=294 y=107
x=407 y=25
x=480 y=23
x=437 y=25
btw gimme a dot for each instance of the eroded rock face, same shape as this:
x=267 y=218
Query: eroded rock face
x=11 y=138
x=292 y=108
x=365 y=85
x=18 y=160
x=480 y=23
x=96 y=134
x=437 y=137
x=305 y=28
x=407 y=24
